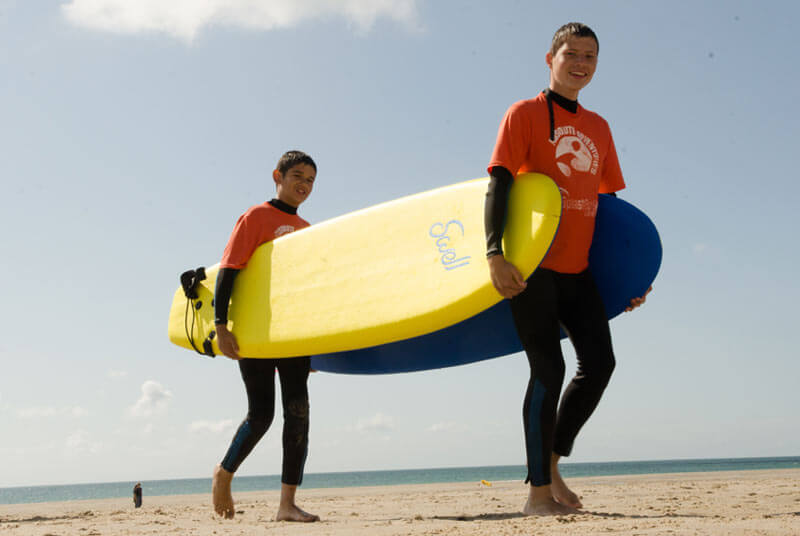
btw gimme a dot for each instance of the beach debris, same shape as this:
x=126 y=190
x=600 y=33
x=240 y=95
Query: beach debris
x=486 y=483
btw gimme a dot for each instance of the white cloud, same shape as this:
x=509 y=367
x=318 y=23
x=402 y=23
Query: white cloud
x=79 y=442
x=378 y=423
x=78 y=411
x=184 y=19
x=154 y=400
x=212 y=427
x=37 y=413
x=441 y=426
x=49 y=411
x=116 y=374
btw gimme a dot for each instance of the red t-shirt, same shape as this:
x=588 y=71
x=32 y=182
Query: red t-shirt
x=260 y=224
x=581 y=160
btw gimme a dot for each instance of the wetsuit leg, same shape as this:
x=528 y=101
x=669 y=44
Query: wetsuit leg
x=259 y=382
x=535 y=312
x=293 y=374
x=584 y=320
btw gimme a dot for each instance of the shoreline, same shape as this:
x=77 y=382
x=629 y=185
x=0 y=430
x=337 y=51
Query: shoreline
x=724 y=502
x=41 y=493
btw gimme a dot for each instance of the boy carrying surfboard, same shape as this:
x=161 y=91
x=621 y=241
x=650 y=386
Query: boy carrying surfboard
x=294 y=179
x=554 y=135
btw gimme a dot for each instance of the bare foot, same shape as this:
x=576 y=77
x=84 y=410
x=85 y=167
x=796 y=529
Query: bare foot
x=561 y=493
x=221 y=492
x=293 y=513
x=547 y=507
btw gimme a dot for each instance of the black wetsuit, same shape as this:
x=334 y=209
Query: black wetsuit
x=551 y=301
x=259 y=380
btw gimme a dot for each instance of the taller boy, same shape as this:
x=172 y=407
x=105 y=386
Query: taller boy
x=552 y=134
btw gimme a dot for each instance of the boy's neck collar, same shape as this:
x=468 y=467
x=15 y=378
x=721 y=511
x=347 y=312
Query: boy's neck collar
x=568 y=104
x=283 y=207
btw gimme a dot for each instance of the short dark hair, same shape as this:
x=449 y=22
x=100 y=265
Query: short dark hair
x=294 y=158
x=572 y=29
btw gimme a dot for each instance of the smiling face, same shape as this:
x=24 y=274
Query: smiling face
x=296 y=184
x=572 y=66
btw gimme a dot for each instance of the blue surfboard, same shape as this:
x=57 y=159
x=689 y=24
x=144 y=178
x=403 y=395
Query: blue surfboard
x=624 y=259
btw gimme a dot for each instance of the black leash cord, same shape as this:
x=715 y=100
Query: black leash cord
x=190 y=333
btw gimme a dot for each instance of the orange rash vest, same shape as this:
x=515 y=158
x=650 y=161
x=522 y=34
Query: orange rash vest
x=581 y=159
x=260 y=224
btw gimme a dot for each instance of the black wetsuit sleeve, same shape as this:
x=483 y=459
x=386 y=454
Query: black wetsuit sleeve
x=496 y=208
x=222 y=294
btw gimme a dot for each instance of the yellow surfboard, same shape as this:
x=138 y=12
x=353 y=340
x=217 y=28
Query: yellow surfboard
x=382 y=274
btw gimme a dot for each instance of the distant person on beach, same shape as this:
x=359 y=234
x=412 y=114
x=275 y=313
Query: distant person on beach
x=554 y=135
x=137 y=495
x=294 y=179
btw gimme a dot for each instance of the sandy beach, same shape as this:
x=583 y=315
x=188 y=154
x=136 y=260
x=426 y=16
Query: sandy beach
x=724 y=503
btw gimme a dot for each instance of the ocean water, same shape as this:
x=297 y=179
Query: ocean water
x=107 y=490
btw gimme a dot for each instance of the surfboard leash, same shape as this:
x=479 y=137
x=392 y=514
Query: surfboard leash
x=189 y=281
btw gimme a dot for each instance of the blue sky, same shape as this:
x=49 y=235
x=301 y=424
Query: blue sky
x=132 y=138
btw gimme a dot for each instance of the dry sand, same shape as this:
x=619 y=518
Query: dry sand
x=725 y=503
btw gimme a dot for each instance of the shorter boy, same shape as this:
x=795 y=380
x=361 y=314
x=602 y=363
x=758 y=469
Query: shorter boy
x=294 y=179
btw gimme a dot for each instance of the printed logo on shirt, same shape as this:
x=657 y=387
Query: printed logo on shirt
x=587 y=206
x=283 y=229
x=575 y=151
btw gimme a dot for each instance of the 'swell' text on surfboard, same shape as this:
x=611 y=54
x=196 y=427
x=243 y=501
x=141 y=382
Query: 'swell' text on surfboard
x=441 y=232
